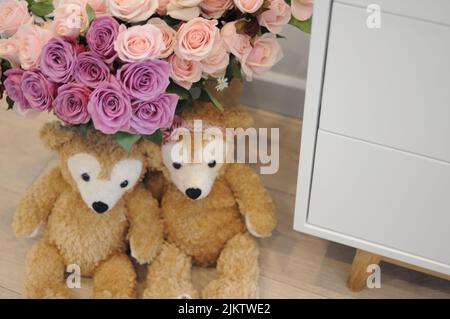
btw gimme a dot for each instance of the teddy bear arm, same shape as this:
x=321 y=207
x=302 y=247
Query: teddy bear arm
x=253 y=199
x=37 y=203
x=146 y=228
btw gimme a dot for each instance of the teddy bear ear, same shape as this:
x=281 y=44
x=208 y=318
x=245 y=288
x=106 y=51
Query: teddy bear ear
x=152 y=154
x=54 y=135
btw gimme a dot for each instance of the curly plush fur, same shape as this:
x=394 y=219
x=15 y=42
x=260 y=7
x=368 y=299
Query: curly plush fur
x=211 y=230
x=75 y=233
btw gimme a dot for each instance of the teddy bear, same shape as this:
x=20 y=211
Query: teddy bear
x=89 y=206
x=211 y=212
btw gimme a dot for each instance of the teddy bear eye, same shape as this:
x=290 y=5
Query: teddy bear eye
x=212 y=163
x=124 y=184
x=176 y=165
x=85 y=177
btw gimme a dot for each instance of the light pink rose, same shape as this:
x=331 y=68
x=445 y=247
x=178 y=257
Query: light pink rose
x=196 y=39
x=9 y=50
x=70 y=18
x=132 y=10
x=162 y=7
x=302 y=9
x=13 y=14
x=168 y=36
x=184 y=72
x=184 y=10
x=215 y=8
x=248 y=6
x=265 y=54
x=139 y=43
x=31 y=39
x=99 y=6
x=216 y=63
x=276 y=17
x=237 y=44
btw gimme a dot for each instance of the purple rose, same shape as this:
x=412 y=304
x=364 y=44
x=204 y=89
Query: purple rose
x=13 y=87
x=71 y=103
x=38 y=90
x=101 y=37
x=150 y=116
x=58 y=60
x=144 y=80
x=110 y=108
x=90 y=69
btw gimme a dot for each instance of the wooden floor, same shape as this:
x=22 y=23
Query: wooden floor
x=293 y=265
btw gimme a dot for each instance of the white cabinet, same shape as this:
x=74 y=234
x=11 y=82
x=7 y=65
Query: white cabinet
x=375 y=155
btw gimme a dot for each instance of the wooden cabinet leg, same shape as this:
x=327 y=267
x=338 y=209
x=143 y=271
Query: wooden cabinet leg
x=358 y=274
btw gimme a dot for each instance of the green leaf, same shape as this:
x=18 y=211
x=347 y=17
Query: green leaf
x=305 y=26
x=214 y=100
x=178 y=90
x=155 y=137
x=126 y=140
x=196 y=90
x=83 y=130
x=43 y=8
x=90 y=13
x=171 y=21
x=233 y=70
x=180 y=106
x=10 y=103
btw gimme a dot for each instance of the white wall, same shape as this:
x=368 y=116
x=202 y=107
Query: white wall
x=282 y=90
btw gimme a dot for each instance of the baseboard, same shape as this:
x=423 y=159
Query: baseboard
x=277 y=93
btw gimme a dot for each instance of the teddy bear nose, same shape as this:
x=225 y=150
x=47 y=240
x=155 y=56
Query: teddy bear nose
x=100 y=207
x=193 y=193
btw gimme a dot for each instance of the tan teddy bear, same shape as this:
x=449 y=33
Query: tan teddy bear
x=89 y=205
x=210 y=210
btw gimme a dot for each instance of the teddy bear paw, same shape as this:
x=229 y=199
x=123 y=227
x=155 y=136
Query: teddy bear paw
x=51 y=293
x=227 y=288
x=107 y=294
x=159 y=293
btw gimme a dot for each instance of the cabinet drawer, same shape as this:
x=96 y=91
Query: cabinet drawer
x=396 y=89
x=383 y=196
x=434 y=10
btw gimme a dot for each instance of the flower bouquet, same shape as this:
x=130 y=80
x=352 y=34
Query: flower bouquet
x=127 y=67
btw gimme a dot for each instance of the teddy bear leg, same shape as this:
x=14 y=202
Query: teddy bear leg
x=44 y=273
x=115 y=278
x=169 y=276
x=237 y=269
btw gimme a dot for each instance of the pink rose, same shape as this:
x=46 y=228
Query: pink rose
x=237 y=44
x=31 y=39
x=168 y=36
x=266 y=52
x=132 y=10
x=9 y=50
x=196 y=39
x=99 y=6
x=184 y=10
x=184 y=72
x=139 y=43
x=216 y=63
x=215 y=8
x=70 y=18
x=13 y=14
x=302 y=9
x=162 y=7
x=276 y=17
x=248 y=6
